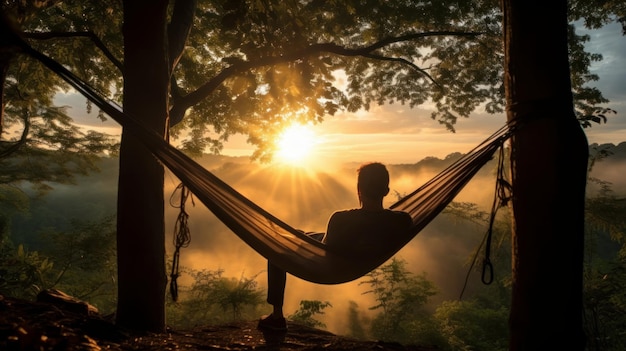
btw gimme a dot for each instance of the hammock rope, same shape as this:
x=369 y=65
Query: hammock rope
x=182 y=237
x=287 y=247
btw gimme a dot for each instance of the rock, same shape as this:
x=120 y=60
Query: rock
x=66 y=302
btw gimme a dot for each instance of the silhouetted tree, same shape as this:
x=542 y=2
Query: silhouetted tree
x=549 y=172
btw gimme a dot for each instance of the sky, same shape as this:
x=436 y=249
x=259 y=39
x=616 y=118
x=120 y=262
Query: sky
x=398 y=134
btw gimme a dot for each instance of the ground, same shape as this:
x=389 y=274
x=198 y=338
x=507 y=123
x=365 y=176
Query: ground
x=56 y=324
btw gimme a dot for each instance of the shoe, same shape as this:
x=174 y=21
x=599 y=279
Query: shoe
x=270 y=322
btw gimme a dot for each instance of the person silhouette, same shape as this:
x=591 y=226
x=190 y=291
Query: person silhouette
x=354 y=229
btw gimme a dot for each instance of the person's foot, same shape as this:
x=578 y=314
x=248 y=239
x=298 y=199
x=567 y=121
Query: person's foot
x=271 y=322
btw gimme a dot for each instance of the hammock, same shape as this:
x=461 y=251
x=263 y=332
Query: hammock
x=275 y=240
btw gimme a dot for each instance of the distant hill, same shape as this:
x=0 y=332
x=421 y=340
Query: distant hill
x=614 y=152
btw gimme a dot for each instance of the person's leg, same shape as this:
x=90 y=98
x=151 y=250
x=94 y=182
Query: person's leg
x=276 y=280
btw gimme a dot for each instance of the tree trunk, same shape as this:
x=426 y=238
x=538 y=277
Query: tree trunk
x=549 y=164
x=5 y=60
x=140 y=228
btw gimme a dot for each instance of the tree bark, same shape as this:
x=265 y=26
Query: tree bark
x=549 y=156
x=140 y=226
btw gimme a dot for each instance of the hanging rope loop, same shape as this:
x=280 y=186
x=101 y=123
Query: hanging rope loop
x=182 y=236
x=487 y=275
x=501 y=198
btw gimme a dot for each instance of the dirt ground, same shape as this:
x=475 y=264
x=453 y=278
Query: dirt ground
x=57 y=325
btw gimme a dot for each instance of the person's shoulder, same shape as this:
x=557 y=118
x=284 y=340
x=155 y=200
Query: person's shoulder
x=346 y=212
x=343 y=214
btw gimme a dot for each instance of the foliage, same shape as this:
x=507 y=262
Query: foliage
x=80 y=262
x=467 y=212
x=595 y=114
x=214 y=299
x=12 y=201
x=253 y=67
x=22 y=272
x=604 y=215
x=598 y=14
x=43 y=146
x=605 y=306
x=402 y=299
x=309 y=308
x=84 y=35
x=84 y=261
x=469 y=325
x=605 y=269
x=357 y=325
x=39 y=143
x=47 y=146
x=284 y=66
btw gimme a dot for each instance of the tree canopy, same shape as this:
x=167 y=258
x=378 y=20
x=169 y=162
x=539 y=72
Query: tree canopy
x=251 y=67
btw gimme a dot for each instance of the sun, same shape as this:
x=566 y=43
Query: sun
x=295 y=144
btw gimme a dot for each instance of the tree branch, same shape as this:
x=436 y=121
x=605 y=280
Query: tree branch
x=179 y=28
x=88 y=34
x=177 y=33
x=14 y=146
x=402 y=61
x=411 y=36
x=178 y=110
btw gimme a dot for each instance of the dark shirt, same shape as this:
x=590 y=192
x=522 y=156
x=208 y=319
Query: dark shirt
x=363 y=230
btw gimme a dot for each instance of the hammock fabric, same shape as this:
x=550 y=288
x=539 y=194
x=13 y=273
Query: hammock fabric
x=275 y=240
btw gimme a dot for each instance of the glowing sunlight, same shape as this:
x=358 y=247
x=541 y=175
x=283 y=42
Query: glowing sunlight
x=295 y=144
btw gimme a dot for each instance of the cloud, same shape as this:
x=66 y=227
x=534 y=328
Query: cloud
x=77 y=109
x=611 y=44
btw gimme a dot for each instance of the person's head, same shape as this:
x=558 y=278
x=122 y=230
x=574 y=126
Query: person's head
x=373 y=181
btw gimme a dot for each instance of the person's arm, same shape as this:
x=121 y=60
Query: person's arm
x=336 y=236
